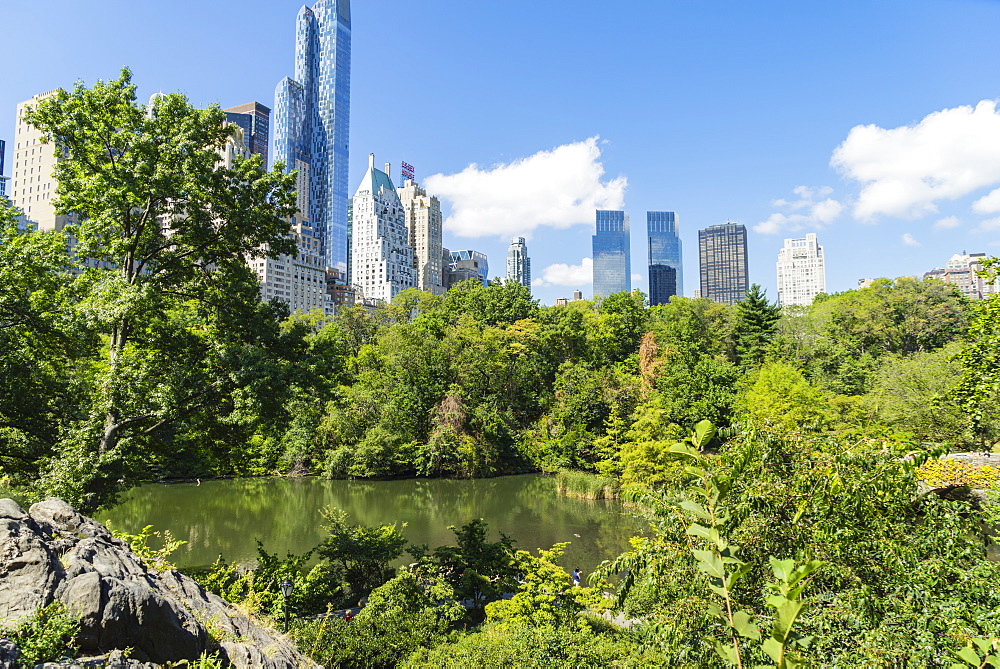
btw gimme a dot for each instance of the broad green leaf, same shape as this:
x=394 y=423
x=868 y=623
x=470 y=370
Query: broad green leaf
x=704 y=433
x=727 y=653
x=772 y=648
x=967 y=654
x=710 y=563
x=745 y=626
x=716 y=611
x=696 y=509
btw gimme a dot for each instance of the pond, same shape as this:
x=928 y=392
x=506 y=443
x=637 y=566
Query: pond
x=226 y=517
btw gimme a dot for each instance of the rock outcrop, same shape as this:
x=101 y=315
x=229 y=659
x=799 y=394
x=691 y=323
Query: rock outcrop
x=51 y=552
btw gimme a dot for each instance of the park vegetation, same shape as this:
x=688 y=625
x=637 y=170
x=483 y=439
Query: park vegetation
x=784 y=458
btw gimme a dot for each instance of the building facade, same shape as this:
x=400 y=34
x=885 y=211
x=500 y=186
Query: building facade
x=961 y=271
x=664 y=255
x=381 y=258
x=612 y=253
x=722 y=256
x=662 y=284
x=518 y=262
x=467 y=264
x=312 y=117
x=3 y=179
x=255 y=121
x=422 y=215
x=801 y=271
x=33 y=187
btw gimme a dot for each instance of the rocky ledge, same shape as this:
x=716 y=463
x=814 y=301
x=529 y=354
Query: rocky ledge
x=51 y=552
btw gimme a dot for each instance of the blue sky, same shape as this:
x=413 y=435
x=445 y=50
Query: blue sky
x=723 y=110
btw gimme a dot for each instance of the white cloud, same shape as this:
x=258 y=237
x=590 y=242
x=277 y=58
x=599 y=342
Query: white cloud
x=904 y=171
x=636 y=277
x=947 y=223
x=562 y=274
x=988 y=204
x=989 y=225
x=813 y=209
x=908 y=240
x=558 y=188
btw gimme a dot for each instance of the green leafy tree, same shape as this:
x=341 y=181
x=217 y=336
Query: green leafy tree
x=778 y=395
x=754 y=325
x=187 y=339
x=46 y=347
x=362 y=554
x=979 y=386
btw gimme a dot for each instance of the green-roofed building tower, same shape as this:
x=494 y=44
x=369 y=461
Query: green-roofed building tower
x=381 y=256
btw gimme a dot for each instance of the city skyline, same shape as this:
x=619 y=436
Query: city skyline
x=761 y=116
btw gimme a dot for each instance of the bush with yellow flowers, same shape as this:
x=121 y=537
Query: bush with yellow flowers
x=951 y=472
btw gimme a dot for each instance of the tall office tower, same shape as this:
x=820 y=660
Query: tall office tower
x=422 y=214
x=381 y=257
x=961 y=271
x=664 y=256
x=722 y=253
x=33 y=187
x=612 y=253
x=311 y=117
x=3 y=179
x=518 y=262
x=801 y=271
x=254 y=119
x=467 y=264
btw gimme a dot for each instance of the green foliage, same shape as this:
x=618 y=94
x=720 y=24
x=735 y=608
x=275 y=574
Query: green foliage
x=401 y=616
x=47 y=635
x=980 y=653
x=546 y=596
x=362 y=555
x=498 y=646
x=478 y=571
x=155 y=558
x=258 y=588
x=165 y=291
x=979 y=387
x=778 y=395
x=754 y=325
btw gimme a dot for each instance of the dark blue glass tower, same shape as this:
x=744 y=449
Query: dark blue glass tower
x=664 y=252
x=254 y=119
x=3 y=179
x=612 y=253
x=312 y=116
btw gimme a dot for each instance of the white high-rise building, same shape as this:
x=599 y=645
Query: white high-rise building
x=33 y=188
x=518 y=262
x=422 y=214
x=801 y=271
x=381 y=257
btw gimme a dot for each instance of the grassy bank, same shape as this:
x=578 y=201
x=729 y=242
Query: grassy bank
x=574 y=483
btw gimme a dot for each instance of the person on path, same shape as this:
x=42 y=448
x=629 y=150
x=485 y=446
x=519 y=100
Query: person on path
x=577 y=575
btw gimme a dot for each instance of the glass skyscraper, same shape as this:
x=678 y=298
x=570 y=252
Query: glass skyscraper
x=666 y=275
x=312 y=116
x=612 y=253
x=722 y=252
x=518 y=262
x=254 y=118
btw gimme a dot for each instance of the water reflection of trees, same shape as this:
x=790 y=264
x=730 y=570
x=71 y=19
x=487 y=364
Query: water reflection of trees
x=225 y=517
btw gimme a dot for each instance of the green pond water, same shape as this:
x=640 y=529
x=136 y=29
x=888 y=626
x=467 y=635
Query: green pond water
x=226 y=517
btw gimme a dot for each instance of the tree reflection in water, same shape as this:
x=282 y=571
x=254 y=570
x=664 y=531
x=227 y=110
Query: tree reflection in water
x=226 y=517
